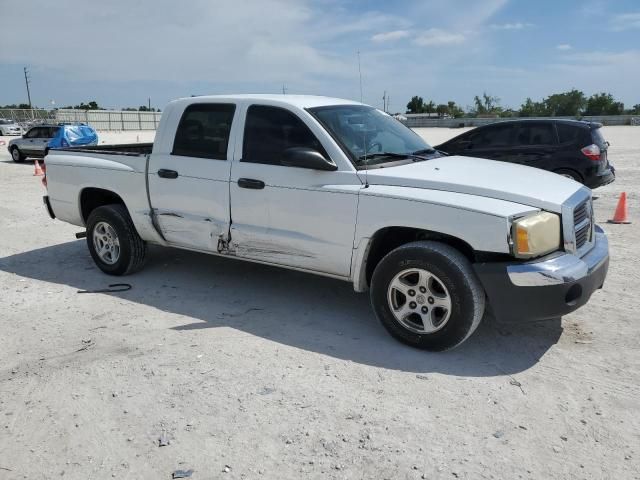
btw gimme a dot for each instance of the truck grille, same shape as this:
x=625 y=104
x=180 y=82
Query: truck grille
x=582 y=223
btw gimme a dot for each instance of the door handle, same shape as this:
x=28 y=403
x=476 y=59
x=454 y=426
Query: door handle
x=250 y=183
x=164 y=173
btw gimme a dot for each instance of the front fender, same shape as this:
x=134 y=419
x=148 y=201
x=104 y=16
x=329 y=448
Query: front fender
x=482 y=223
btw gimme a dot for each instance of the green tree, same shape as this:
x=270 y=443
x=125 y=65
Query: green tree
x=569 y=103
x=635 y=110
x=442 y=110
x=487 y=105
x=429 y=107
x=603 y=104
x=416 y=105
x=533 y=109
x=454 y=110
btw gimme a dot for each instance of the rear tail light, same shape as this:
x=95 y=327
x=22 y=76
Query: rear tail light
x=44 y=177
x=592 y=152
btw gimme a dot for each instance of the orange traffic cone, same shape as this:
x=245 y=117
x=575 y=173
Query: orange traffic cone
x=38 y=172
x=621 y=215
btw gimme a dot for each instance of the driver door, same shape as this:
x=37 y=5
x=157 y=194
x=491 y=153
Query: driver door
x=288 y=215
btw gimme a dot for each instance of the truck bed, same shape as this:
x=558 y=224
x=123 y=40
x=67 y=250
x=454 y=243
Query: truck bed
x=129 y=149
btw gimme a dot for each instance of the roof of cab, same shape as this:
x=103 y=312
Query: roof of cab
x=300 y=101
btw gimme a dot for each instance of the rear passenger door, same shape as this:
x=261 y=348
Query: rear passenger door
x=189 y=179
x=288 y=215
x=535 y=144
x=493 y=142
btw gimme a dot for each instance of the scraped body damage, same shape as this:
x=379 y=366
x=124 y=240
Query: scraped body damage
x=201 y=233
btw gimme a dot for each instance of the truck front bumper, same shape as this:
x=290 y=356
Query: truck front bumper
x=546 y=288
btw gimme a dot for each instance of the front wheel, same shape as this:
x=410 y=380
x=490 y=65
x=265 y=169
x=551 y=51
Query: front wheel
x=113 y=241
x=16 y=155
x=427 y=295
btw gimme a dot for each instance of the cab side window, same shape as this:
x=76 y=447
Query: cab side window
x=204 y=131
x=269 y=131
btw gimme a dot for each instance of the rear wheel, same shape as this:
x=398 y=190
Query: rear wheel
x=113 y=241
x=427 y=295
x=16 y=155
x=573 y=175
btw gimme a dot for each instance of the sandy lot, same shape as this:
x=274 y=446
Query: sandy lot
x=256 y=372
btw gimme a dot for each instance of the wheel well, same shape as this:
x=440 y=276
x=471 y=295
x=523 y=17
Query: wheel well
x=92 y=198
x=390 y=238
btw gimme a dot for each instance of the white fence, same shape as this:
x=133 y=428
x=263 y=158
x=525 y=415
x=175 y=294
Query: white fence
x=114 y=120
x=111 y=119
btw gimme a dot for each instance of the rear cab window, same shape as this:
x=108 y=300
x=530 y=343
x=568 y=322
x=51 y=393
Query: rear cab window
x=269 y=131
x=204 y=130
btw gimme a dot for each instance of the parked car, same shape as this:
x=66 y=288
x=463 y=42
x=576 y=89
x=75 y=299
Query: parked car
x=9 y=127
x=572 y=148
x=340 y=189
x=40 y=139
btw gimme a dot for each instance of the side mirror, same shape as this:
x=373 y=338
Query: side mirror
x=303 y=157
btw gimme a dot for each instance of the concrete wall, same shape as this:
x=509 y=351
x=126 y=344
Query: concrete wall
x=419 y=120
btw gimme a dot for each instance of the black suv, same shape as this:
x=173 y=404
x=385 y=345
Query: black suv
x=572 y=148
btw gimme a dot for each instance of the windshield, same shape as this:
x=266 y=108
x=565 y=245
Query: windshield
x=369 y=136
x=6 y=122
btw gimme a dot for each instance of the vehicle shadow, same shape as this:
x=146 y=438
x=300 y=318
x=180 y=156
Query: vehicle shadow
x=301 y=310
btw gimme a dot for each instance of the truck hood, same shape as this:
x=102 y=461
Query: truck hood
x=485 y=178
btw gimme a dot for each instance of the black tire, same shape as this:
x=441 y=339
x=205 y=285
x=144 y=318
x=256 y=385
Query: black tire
x=16 y=155
x=565 y=172
x=454 y=271
x=132 y=247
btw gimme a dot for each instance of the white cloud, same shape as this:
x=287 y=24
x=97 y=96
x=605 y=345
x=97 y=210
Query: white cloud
x=625 y=21
x=564 y=47
x=511 y=26
x=390 y=36
x=436 y=36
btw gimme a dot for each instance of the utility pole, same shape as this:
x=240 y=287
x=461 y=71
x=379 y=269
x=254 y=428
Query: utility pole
x=149 y=103
x=284 y=90
x=27 y=79
x=384 y=101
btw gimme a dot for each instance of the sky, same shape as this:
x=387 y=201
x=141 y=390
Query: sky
x=121 y=52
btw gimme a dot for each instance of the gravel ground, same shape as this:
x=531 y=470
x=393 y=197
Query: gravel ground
x=254 y=372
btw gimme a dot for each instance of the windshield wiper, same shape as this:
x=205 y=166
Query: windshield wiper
x=392 y=155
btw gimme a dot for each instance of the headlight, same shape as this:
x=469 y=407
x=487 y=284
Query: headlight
x=536 y=235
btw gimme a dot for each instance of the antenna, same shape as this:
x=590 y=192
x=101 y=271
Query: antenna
x=364 y=130
x=360 y=75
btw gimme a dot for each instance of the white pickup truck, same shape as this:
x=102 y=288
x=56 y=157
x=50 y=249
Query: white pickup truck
x=338 y=188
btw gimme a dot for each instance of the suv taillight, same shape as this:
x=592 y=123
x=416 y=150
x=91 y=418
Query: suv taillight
x=592 y=152
x=44 y=177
